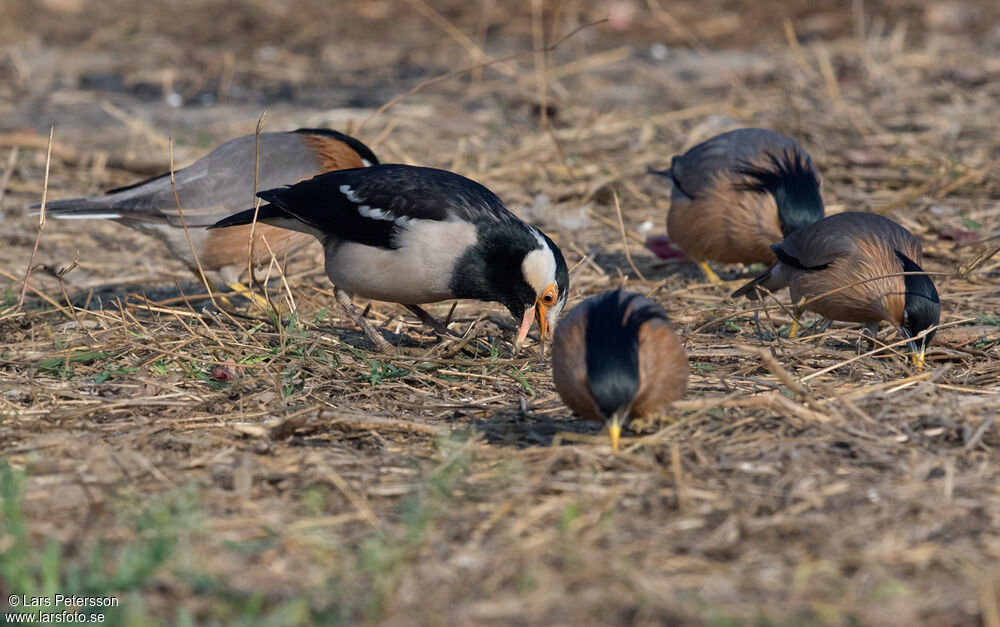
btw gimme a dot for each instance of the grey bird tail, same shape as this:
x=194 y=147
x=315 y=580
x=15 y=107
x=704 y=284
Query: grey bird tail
x=750 y=289
x=78 y=209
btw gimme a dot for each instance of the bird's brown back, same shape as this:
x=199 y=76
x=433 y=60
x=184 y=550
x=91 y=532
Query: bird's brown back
x=332 y=153
x=663 y=366
x=725 y=223
x=856 y=248
x=569 y=365
x=663 y=369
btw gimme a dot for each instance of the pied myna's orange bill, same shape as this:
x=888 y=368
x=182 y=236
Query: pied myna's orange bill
x=216 y=186
x=735 y=195
x=615 y=357
x=411 y=235
x=856 y=267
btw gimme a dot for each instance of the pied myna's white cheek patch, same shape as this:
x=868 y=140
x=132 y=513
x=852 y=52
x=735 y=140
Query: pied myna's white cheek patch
x=539 y=269
x=418 y=271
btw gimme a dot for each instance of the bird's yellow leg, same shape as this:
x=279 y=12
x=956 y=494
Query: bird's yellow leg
x=710 y=274
x=247 y=293
x=794 y=330
x=212 y=288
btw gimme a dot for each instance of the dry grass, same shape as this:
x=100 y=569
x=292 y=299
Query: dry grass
x=207 y=468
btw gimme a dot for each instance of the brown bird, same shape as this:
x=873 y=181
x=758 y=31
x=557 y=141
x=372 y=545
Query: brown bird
x=615 y=357
x=736 y=194
x=216 y=186
x=840 y=268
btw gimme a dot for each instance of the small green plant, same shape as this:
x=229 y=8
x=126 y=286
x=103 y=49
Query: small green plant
x=380 y=372
x=988 y=319
x=35 y=572
x=970 y=224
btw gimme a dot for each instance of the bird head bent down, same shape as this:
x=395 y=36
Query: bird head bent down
x=546 y=286
x=921 y=311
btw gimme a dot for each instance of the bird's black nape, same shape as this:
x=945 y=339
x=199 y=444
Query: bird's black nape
x=790 y=178
x=612 y=347
x=357 y=146
x=923 y=307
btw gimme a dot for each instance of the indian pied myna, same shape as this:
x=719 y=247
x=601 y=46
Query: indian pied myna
x=615 y=357
x=736 y=194
x=829 y=266
x=216 y=186
x=411 y=235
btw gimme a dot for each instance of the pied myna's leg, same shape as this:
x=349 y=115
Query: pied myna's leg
x=710 y=274
x=428 y=320
x=344 y=300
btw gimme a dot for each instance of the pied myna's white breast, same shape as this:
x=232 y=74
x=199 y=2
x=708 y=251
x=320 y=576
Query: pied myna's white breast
x=418 y=271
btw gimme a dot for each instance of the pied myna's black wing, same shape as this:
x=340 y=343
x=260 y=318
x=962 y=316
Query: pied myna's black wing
x=370 y=205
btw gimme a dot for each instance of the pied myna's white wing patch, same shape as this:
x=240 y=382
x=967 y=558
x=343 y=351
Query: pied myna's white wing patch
x=350 y=193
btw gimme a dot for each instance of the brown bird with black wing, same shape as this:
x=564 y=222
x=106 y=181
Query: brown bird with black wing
x=216 y=186
x=735 y=195
x=615 y=357
x=856 y=267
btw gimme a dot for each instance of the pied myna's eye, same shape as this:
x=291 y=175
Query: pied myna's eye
x=550 y=295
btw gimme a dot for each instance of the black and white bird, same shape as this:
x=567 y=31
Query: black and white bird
x=413 y=235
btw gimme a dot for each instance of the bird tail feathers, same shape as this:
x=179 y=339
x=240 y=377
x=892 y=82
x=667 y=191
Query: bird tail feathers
x=750 y=289
x=77 y=209
x=264 y=214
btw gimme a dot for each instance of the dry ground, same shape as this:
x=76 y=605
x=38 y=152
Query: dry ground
x=210 y=469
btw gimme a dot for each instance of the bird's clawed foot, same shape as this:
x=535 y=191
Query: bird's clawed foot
x=762 y=335
x=247 y=293
x=869 y=338
x=344 y=300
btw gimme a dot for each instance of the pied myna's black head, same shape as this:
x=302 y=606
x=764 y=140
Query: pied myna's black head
x=535 y=289
x=615 y=357
x=921 y=311
x=415 y=235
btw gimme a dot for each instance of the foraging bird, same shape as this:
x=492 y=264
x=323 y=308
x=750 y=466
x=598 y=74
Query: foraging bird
x=216 y=186
x=832 y=268
x=735 y=195
x=413 y=235
x=615 y=357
